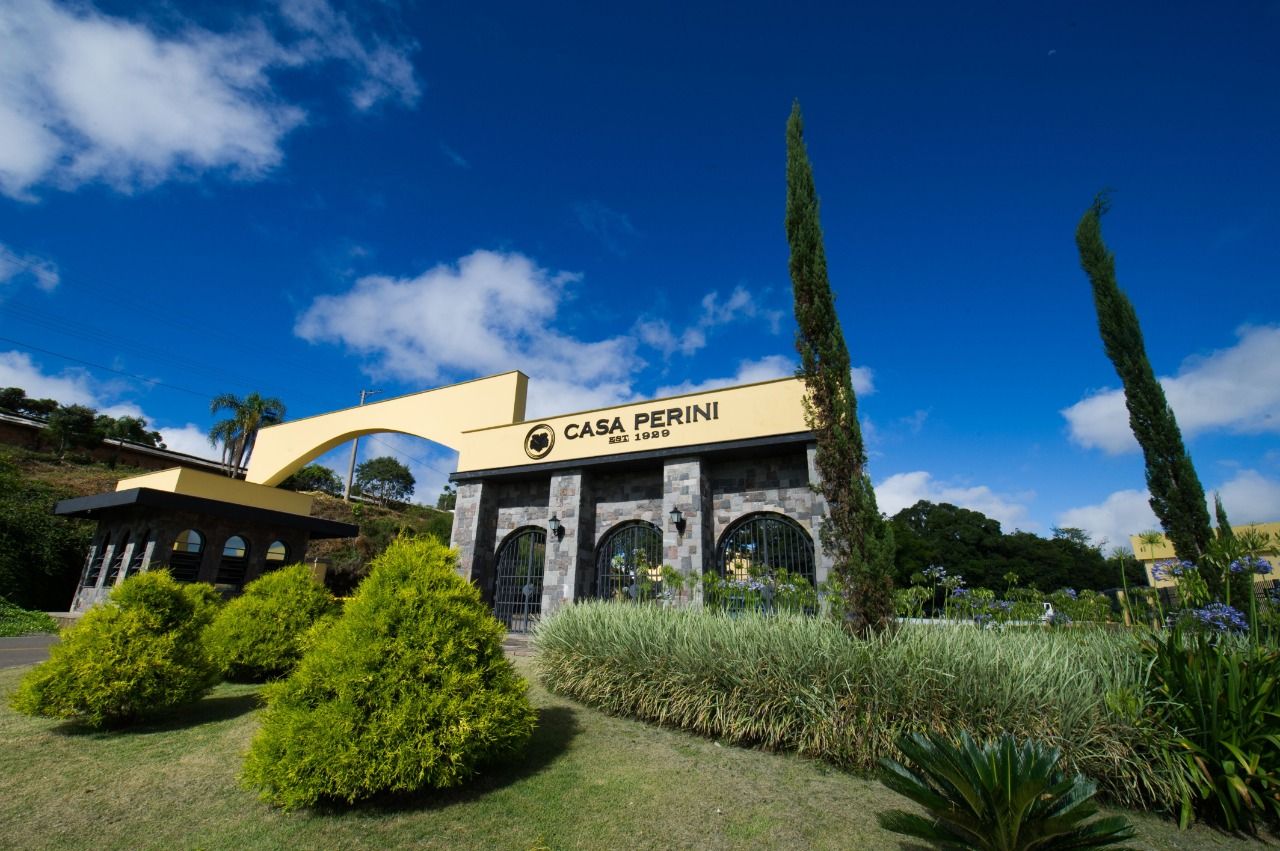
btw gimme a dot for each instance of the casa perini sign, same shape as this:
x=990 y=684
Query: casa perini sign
x=750 y=411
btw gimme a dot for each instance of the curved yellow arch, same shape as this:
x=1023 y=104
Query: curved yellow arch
x=439 y=415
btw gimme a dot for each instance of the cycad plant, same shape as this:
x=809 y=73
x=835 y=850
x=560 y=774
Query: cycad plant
x=1002 y=796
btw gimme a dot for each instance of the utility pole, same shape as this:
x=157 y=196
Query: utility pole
x=355 y=444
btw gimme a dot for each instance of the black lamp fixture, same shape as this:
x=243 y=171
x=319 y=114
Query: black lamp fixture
x=556 y=528
x=677 y=519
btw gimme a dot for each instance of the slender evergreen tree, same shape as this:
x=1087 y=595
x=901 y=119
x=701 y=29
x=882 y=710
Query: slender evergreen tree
x=854 y=534
x=1177 y=497
x=1220 y=512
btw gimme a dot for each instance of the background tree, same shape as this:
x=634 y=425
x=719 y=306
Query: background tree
x=11 y=399
x=448 y=498
x=854 y=535
x=1177 y=497
x=314 y=477
x=385 y=479
x=1220 y=513
x=238 y=432
x=74 y=427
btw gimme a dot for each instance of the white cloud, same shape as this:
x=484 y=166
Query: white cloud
x=86 y=96
x=903 y=490
x=863 y=380
x=1235 y=389
x=488 y=313
x=76 y=387
x=749 y=371
x=740 y=305
x=1111 y=522
x=1250 y=497
x=14 y=266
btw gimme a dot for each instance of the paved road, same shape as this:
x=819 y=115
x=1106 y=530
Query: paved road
x=25 y=649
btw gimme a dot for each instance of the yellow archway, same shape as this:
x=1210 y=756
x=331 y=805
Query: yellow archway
x=439 y=415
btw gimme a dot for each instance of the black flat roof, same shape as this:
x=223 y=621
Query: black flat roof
x=93 y=506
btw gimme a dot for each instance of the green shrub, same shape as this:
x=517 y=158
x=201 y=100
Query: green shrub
x=257 y=636
x=15 y=620
x=407 y=690
x=140 y=651
x=1221 y=698
x=798 y=683
x=1001 y=796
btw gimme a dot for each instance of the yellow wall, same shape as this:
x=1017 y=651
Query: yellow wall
x=440 y=415
x=766 y=409
x=224 y=488
x=1163 y=550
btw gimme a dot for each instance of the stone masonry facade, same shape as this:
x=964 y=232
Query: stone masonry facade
x=711 y=493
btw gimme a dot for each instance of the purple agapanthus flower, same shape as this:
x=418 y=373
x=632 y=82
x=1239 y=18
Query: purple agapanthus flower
x=1251 y=564
x=1070 y=592
x=1221 y=617
x=959 y=592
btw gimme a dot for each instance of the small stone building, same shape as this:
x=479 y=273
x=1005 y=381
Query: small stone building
x=198 y=539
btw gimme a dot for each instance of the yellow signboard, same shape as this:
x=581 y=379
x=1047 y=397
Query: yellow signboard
x=767 y=409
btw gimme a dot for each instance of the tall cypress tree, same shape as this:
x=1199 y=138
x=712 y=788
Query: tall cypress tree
x=1177 y=498
x=854 y=535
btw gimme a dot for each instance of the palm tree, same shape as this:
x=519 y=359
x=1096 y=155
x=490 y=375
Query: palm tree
x=238 y=432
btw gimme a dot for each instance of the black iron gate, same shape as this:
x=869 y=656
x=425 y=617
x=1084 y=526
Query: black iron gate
x=629 y=562
x=762 y=545
x=517 y=584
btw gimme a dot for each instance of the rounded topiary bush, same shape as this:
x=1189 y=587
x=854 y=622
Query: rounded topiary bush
x=408 y=690
x=258 y=635
x=140 y=651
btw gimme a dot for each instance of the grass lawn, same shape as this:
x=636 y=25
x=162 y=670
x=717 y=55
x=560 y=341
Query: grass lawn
x=588 y=781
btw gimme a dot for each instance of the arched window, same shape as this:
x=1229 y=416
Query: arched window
x=184 y=561
x=117 y=561
x=762 y=546
x=629 y=561
x=277 y=555
x=235 y=560
x=517 y=582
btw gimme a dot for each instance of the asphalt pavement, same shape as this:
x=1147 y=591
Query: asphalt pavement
x=25 y=649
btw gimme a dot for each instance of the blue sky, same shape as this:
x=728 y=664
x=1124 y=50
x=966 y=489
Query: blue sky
x=306 y=199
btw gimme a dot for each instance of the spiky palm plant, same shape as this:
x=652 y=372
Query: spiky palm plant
x=238 y=432
x=1004 y=795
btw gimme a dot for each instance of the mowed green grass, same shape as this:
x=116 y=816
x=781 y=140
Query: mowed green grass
x=587 y=781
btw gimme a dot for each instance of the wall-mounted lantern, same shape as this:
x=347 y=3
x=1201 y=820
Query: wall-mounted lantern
x=677 y=519
x=555 y=526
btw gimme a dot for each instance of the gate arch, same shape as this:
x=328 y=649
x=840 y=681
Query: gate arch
x=517 y=579
x=762 y=543
x=627 y=555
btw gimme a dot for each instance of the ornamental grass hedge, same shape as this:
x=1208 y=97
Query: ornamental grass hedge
x=138 y=652
x=795 y=683
x=407 y=690
x=258 y=636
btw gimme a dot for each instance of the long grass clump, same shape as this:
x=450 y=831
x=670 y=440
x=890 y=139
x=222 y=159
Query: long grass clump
x=800 y=684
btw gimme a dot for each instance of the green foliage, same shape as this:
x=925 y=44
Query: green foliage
x=854 y=535
x=765 y=592
x=238 y=432
x=15 y=620
x=1000 y=796
x=1177 y=497
x=385 y=479
x=314 y=477
x=138 y=652
x=448 y=498
x=973 y=545
x=41 y=555
x=1221 y=699
x=801 y=684
x=258 y=635
x=408 y=690
x=74 y=427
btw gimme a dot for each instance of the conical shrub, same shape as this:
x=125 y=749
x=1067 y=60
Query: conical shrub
x=140 y=651
x=258 y=635
x=408 y=690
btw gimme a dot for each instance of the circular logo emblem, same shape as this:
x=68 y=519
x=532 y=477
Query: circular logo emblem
x=538 y=442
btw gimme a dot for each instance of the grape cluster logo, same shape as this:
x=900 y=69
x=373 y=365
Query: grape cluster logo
x=539 y=440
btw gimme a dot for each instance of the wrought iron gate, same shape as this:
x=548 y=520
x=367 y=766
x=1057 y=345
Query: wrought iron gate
x=763 y=544
x=517 y=584
x=629 y=561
